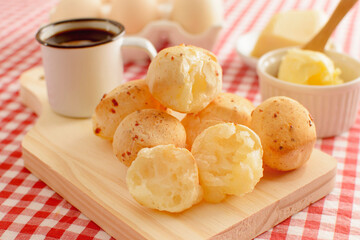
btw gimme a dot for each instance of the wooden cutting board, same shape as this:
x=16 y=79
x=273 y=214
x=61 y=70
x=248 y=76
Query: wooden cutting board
x=67 y=156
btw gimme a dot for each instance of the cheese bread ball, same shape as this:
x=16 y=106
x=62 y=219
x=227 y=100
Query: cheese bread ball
x=119 y=103
x=226 y=107
x=164 y=178
x=146 y=128
x=286 y=130
x=229 y=158
x=184 y=78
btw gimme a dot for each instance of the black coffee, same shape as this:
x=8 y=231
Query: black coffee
x=83 y=37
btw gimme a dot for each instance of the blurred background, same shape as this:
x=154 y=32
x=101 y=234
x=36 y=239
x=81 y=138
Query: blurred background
x=31 y=210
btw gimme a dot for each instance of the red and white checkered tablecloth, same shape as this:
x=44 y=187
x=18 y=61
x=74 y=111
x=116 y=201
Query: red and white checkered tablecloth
x=31 y=210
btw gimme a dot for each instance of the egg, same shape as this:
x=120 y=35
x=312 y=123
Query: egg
x=196 y=16
x=164 y=1
x=67 y=9
x=134 y=14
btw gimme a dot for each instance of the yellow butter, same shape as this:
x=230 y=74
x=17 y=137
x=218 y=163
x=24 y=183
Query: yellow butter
x=308 y=67
x=291 y=28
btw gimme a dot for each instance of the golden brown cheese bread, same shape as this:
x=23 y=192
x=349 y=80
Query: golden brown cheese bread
x=164 y=178
x=229 y=158
x=226 y=107
x=286 y=130
x=184 y=78
x=146 y=128
x=120 y=102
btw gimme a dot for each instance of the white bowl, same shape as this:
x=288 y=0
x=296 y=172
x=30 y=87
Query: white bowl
x=244 y=46
x=334 y=108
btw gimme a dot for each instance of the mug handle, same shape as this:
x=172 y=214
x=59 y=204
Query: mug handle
x=140 y=43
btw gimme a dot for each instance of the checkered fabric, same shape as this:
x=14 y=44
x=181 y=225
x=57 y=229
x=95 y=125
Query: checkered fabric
x=31 y=210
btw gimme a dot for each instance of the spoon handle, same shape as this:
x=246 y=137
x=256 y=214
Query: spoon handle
x=318 y=42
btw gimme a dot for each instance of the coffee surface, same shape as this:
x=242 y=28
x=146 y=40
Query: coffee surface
x=80 y=37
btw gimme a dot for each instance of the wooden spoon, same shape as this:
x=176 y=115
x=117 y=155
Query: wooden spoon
x=318 y=42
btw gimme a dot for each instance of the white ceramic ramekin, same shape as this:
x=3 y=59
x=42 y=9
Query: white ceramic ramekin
x=333 y=108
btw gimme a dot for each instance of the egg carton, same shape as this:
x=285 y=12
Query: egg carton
x=171 y=33
x=161 y=31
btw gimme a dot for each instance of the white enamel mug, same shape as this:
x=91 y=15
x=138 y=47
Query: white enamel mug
x=78 y=75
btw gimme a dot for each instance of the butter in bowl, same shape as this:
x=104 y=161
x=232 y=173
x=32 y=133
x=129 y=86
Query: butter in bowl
x=333 y=107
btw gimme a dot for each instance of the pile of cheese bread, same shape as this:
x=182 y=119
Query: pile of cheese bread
x=216 y=149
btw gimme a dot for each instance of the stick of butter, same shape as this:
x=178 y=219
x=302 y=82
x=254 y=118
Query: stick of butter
x=291 y=28
x=308 y=67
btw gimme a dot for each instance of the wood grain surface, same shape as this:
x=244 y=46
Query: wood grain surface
x=69 y=158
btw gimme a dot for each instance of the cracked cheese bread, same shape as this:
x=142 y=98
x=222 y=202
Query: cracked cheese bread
x=229 y=158
x=164 y=178
x=184 y=78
